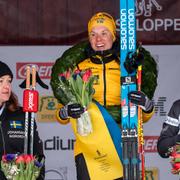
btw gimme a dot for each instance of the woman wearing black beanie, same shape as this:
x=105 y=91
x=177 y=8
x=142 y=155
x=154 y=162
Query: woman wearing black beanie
x=11 y=114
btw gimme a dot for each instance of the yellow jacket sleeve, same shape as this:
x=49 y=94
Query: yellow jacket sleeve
x=147 y=116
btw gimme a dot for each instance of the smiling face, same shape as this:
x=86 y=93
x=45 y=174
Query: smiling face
x=100 y=38
x=5 y=88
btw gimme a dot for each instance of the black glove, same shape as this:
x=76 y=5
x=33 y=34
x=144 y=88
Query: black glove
x=133 y=60
x=139 y=98
x=71 y=110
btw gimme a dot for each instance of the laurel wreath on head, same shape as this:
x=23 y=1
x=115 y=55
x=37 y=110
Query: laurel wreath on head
x=76 y=54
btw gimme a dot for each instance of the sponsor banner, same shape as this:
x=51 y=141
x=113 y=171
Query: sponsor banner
x=56 y=143
x=43 y=69
x=158 y=21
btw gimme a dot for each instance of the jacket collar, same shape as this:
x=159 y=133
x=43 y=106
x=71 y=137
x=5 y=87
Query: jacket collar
x=106 y=56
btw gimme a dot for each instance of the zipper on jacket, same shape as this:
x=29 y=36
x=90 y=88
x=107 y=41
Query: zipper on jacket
x=104 y=80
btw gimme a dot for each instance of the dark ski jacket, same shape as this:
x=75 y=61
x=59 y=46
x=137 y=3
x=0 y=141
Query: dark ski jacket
x=170 y=131
x=12 y=137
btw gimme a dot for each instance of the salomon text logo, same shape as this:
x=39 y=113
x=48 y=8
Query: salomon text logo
x=131 y=29
x=123 y=29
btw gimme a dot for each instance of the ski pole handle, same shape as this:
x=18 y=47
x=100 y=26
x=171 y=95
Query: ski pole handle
x=33 y=77
x=28 y=73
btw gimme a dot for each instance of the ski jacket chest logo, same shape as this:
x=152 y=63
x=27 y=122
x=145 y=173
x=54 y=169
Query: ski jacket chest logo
x=16 y=124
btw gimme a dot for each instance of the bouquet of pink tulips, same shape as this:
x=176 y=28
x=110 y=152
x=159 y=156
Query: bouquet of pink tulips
x=77 y=86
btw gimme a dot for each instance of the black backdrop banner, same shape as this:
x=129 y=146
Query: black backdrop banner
x=64 y=22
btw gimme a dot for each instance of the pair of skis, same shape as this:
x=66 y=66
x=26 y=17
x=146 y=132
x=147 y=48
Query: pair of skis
x=130 y=113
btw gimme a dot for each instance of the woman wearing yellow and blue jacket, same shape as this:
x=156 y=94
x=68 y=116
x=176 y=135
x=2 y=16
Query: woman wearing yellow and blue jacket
x=101 y=55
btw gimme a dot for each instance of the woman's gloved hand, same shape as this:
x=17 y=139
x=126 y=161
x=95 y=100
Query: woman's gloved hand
x=139 y=98
x=71 y=110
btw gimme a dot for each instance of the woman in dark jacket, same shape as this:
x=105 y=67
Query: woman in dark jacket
x=12 y=120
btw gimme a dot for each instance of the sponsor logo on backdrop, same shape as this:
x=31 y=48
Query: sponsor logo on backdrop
x=151 y=21
x=56 y=143
x=151 y=173
x=43 y=69
x=47 y=109
x=160 y=106
x=57 y=174
x=150 y=144
x=145 y=7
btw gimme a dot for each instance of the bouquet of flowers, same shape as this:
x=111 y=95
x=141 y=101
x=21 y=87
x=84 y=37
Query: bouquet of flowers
x=77 y=86
x=21 y=167
x=175 y=159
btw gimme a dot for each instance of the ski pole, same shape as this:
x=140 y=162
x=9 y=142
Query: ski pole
x=26 y=112
x=35 y=96
x=30 y=105
x=140 y=125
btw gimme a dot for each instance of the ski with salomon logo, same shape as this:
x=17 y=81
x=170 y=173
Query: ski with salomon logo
x=129 y=113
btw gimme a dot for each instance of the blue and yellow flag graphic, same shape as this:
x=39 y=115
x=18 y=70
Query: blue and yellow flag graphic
x=16 y=124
